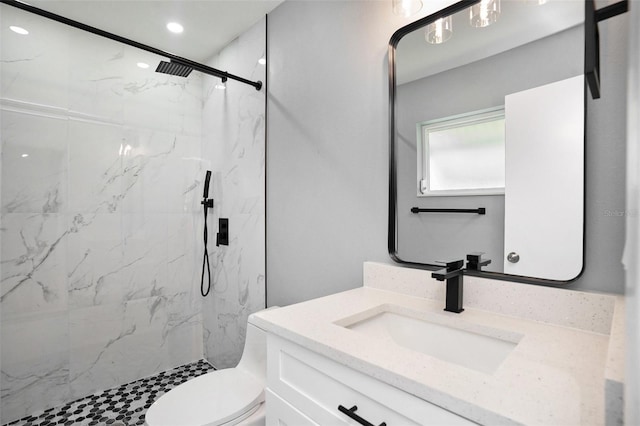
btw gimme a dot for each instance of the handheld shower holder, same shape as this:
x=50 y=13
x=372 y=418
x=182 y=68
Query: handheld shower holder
x=207 y=202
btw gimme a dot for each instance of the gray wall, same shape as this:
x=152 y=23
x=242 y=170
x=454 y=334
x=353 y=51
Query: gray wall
x=605 y=165
x=326 y=146
x=632 y=252
x=327 y=150
x=483 y=84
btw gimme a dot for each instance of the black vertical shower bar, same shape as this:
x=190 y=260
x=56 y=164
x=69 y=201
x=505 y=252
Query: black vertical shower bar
x=174 y=58
x=207 y=203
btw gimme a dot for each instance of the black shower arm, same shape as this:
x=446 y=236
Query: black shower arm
x=174 y=58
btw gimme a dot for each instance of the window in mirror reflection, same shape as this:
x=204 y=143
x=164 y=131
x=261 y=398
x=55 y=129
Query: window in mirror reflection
x=462 y=155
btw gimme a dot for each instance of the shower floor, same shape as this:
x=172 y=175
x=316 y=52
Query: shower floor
x=125 y=405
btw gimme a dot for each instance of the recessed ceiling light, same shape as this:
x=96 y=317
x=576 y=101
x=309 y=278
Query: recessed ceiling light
x=24 y=155
x=174 y=27
x=143 y=65
x=262 y=61
x=18 y=30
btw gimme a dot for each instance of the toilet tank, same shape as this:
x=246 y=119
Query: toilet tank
x=254 y=355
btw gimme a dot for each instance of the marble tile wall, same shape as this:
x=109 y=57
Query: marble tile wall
x=101 y=169
x=234 y=145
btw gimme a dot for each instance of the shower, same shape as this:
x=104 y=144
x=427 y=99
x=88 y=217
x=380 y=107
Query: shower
x=207 y=203
x=101 y=234
x=174 y=68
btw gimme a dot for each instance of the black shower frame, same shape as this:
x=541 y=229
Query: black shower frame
x=174 y=58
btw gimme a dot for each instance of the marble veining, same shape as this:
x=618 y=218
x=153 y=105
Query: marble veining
x=33 y=260
x=234 y=144
x=101 y=237
x=100 y=245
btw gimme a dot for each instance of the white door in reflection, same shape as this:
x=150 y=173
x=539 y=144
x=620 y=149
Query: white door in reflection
x=544 y=181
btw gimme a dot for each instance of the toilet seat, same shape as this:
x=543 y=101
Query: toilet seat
x=212 y=399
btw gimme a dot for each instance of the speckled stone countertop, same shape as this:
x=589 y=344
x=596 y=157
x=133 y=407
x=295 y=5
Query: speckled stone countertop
x=571 y=343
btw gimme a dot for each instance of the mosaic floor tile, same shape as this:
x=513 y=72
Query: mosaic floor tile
x=125 y=405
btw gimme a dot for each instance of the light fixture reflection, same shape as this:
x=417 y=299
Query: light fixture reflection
x=406 y=8
x=262 y=61
x=439 y=31
x=18 y=30
x=143 y=65
x=484 y=13
x=125 y=150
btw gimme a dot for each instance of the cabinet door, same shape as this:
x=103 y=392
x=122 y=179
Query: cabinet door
x=281 y=413
x=317 y=386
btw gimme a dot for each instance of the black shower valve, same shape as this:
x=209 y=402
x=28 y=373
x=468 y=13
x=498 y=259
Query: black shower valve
x=207 y=202
x=222 y=238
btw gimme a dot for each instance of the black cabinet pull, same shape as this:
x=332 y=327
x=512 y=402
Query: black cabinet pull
x=351 y=412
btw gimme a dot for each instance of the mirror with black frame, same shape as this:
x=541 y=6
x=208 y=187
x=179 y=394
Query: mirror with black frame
x=487 y=138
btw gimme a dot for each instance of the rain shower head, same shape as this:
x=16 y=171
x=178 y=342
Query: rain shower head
x=182 y=67
x=174 y=68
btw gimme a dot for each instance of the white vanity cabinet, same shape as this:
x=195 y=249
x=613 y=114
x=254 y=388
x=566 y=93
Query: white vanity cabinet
x=305 y=388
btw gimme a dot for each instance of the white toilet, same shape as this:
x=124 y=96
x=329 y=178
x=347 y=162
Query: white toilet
x=232 y=396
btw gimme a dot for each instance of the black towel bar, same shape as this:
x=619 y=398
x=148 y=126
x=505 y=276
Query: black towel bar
x=479 y=210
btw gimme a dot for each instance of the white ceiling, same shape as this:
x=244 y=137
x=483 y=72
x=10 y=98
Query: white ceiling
x=209 y=25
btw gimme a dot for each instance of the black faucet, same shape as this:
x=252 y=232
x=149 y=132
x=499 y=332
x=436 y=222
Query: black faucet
x=453 y=273
x=475 y=262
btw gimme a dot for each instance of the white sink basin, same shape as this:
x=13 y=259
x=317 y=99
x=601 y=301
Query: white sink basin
x=452 y=340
